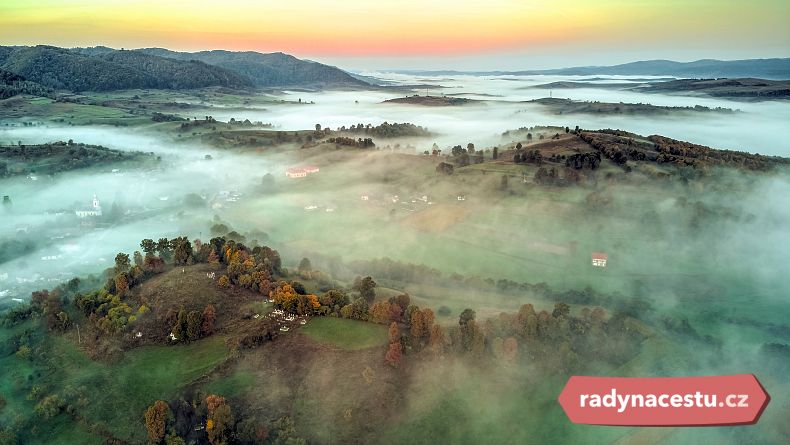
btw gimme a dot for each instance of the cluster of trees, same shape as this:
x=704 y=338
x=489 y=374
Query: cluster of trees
x=398 y=273
x=287 y=298
x=548 y=176
x=162 y=117
x=580 y=161
x=554 y=340
x=387 y=130
x=211 y=419
x=192 y=325
x=191 y=123
x=50 y=306
x=620 y=147
x=389 y=269
x=253 y=269
x=527 y=156
x=465 y=156
x=671 y=150
x=351 y=142
x=419 y=328
x=615 y=148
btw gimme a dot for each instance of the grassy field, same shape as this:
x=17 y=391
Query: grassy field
x=346 y=334
x=121 y=390
x=66 y=113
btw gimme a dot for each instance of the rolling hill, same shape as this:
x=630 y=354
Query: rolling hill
x=107 y=69
x=64 y=69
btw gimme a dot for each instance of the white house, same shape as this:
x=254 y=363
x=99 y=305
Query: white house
x=599 y=259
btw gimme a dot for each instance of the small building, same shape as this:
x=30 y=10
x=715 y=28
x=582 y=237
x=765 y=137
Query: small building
x=599 y=259
x=364 y=197
x=296 y=173
x=309 y=169
x=93 y=211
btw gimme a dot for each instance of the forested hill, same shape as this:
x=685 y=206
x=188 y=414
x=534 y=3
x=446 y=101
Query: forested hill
x=64 y=69
x=107 y=69
x=270 y=70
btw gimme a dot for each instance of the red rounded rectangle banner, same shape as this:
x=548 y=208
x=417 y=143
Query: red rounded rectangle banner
x=664 y=401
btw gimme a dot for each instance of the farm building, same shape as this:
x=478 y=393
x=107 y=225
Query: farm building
x=599 y=259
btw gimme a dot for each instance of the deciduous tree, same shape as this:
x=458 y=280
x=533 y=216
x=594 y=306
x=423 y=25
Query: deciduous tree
x=209 y=316
x=156 y=417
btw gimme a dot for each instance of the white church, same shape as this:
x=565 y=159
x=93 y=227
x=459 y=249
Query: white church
x=93 y=211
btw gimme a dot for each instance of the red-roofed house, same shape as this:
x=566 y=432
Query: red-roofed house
x=296 y=173
x=599 y=259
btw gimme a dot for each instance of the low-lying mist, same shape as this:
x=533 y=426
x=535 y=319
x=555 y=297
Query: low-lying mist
x=701 y=261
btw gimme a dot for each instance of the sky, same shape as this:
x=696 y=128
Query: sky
x=417 y=34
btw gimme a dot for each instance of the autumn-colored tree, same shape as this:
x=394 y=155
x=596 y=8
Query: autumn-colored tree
x=153 y=264
x=209 y=316
x=393 y=332
x=156 y=417
x=284 y=296
x=402 y=300
x=39 y=298
x=428 y=319
x=219 y=423
x=305 y=304
x=394 y=354
x=213 y=258
x=417 y=326
x=396 y=313
x=121 y=283
x=380 y=312
x=213 y=401
x=224 y=281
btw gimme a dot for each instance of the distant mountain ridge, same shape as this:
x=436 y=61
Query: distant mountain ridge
x=270 y=69
x=776 y=69
x=107 y=69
